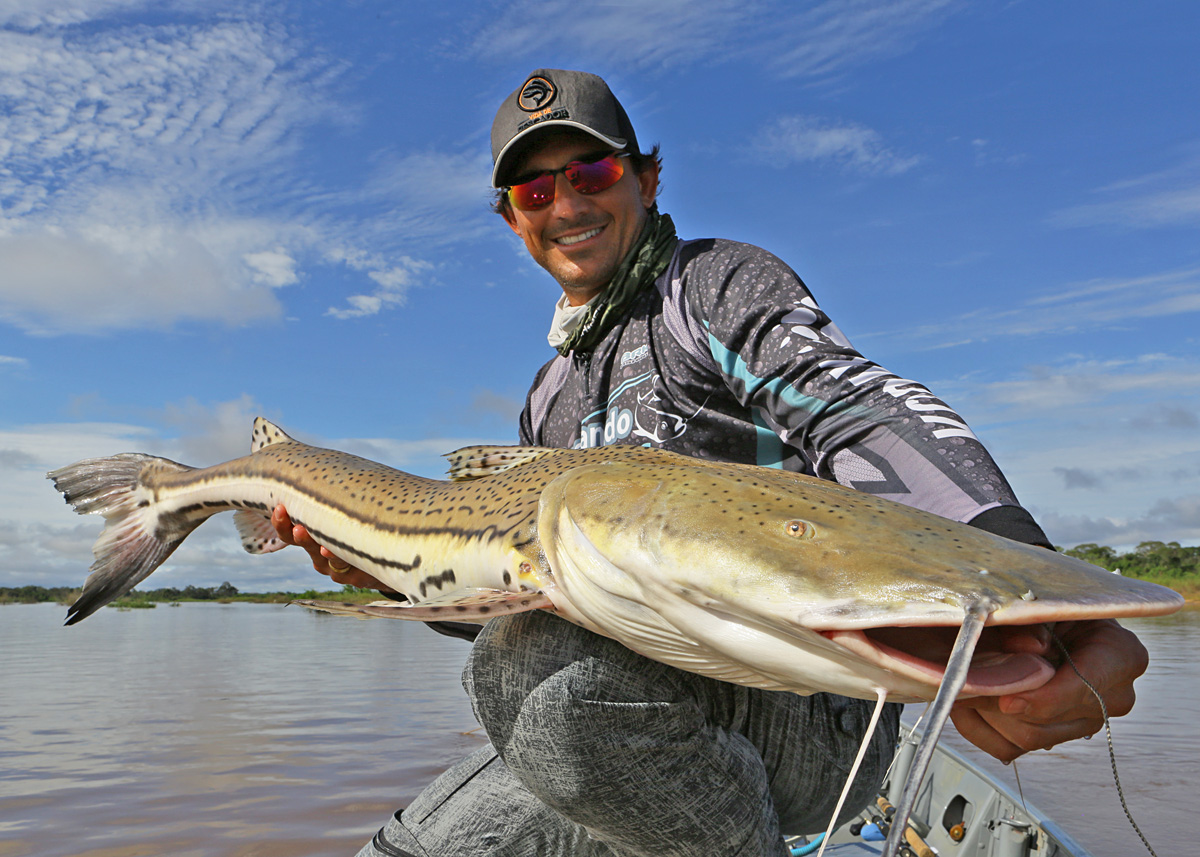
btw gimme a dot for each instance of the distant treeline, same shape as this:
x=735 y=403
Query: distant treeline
x=148 y=597
x=1159 y=561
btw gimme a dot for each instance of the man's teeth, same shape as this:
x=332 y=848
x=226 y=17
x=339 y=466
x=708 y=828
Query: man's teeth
x=575 y=239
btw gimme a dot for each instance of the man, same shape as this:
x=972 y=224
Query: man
x=714 y=349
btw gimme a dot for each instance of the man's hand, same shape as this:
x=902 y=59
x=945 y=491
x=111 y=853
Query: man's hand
x=1063 y=709
x=323 y=560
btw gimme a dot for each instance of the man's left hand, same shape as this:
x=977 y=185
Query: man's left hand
x=1063 y=709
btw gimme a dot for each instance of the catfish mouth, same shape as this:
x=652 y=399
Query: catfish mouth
x=1006 y=660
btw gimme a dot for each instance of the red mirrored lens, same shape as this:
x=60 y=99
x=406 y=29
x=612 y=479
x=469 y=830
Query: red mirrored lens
x=586 y=177
x=534 y=194
x=594 y=177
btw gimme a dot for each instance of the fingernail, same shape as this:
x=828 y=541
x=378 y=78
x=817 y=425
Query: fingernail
x=1016 y=706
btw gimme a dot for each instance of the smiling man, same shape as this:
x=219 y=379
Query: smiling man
x=717 y=350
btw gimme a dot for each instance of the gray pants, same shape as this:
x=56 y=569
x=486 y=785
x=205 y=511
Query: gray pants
x=599 y=752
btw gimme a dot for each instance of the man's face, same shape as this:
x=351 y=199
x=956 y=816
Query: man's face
x=580 y=239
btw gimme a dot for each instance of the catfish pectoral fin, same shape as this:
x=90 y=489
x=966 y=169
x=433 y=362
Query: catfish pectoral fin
x=463 y=605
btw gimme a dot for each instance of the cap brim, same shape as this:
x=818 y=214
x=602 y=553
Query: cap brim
x=508 y=150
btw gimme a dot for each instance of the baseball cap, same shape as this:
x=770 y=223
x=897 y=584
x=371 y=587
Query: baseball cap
x=552 y=97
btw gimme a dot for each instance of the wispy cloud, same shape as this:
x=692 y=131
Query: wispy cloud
x=640 y=35
x=796 y=139
x=1073 y=308
x=812 y=40
x=830 y=36
x=1073 y=435
x=1146 y=378
x=1167 y=519
x=433 y=199
x=152 y=174
x=130 y=152
x=1165 y=198
x=35 y=14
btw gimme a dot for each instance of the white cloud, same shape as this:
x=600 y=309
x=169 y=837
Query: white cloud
x=1169 y=519
x=637 y=34
x=1092 y=305
x=1144 y=395
x=830 y=36
x=795 y=139
x=1167 y=198
x=128 y=152
x=1090 y=381
x=1097 y=450
x=33 y=14
x=143 y=271
x=790 y=39
x=148 y=174
x=392 y=279
x=273 y=268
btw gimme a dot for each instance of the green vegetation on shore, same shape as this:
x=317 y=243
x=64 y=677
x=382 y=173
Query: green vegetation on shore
x=226 y=593
x=1166 y=563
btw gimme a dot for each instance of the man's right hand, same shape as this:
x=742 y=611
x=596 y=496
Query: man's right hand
x=323 y=560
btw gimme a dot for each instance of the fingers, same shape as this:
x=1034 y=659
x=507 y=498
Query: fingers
x=1063 y=709
x=323 y=560
x=296 y=534
x=1007 y=737
x=1110 y=657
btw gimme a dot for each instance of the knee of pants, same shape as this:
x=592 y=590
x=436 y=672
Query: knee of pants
x=528 y=661
x=504 y=666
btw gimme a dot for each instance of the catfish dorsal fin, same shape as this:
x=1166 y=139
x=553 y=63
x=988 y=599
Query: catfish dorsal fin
x=475 y=462
x=266 y=433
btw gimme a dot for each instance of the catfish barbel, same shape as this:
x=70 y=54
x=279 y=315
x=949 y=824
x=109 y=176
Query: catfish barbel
x=751 y=575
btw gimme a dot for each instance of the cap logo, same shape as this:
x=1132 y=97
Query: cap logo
x=536 y=94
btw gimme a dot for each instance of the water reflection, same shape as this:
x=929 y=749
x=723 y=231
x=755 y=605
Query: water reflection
x=206 y=729
x=218 y=729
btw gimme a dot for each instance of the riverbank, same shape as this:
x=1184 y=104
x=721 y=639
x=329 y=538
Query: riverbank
x=223 y=594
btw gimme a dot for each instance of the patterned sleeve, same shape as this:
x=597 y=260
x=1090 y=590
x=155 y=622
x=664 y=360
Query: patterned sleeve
x=852 y=420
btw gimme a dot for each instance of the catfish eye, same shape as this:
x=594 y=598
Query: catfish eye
x=798 y=529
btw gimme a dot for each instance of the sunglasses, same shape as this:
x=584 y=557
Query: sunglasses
x=587 y=175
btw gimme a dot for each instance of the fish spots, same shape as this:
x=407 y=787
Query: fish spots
x=446 y=578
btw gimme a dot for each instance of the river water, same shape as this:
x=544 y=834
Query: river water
x=245 y=730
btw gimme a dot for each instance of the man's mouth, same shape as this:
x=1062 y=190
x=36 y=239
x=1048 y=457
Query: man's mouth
x=568 y=240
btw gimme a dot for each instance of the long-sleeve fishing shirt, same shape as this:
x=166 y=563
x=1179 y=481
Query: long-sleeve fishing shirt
x=730 y=358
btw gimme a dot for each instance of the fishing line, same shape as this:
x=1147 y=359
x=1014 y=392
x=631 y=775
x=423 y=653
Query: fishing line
x=899 y=744
x=862 y=751
x=1112 y=755
x=1020 y=791
x=953 y=679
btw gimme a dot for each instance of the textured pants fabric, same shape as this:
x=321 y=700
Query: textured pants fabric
x=599 y=752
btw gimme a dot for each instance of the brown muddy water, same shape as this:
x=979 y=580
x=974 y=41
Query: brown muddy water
x=245 y=730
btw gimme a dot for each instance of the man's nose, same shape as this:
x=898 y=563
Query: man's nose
x=566 y=199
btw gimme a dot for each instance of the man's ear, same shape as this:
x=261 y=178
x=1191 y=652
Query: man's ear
x=506 y=211
x=648 y=183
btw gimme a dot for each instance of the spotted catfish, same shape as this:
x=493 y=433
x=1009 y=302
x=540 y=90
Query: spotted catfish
x=751 y=575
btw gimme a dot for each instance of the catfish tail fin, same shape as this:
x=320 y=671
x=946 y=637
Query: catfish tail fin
x=134 y=542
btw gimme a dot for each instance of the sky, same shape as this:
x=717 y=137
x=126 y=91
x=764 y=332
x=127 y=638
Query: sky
x=213 y=210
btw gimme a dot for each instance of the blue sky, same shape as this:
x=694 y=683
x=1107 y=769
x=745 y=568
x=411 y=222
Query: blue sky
x=213 y=210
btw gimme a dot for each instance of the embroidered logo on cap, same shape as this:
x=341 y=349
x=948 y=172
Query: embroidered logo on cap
x=536 y=94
